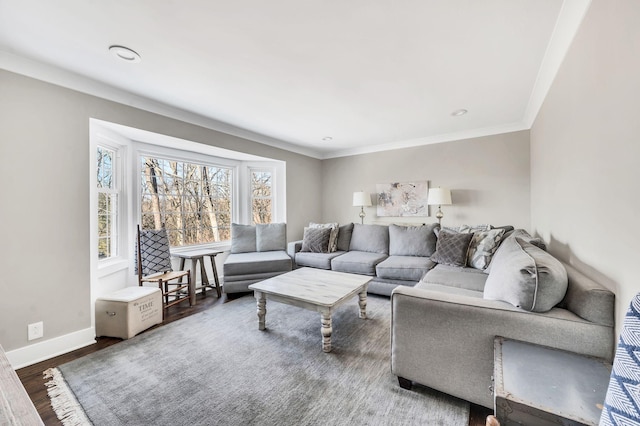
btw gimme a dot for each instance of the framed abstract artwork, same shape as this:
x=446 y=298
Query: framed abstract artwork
x=403 y=199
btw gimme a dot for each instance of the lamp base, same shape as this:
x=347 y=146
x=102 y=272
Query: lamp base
x=362 y=215
x=439 y=215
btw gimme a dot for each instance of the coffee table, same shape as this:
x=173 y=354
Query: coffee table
x=317 y=290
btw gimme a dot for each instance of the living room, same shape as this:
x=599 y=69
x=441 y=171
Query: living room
x=569 y=178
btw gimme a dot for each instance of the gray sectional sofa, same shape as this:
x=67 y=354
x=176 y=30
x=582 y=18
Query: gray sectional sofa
x=452 y=295
x=443 y=329
x=394 y=255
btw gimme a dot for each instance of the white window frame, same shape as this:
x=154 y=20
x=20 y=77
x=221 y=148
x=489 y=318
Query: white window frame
x=156 y=151
x=132 y=143
x=118 y=145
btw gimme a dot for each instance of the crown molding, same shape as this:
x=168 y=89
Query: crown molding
x=569 y=20
x=449 y=137
x=70 y=80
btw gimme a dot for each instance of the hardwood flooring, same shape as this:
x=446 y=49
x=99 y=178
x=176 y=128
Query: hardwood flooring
x=33 y=381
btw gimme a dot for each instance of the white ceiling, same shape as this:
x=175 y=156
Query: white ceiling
x=370 y=74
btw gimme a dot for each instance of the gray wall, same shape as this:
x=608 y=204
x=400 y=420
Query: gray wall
x=585 y=152
x=488 y=177
x=44 y=148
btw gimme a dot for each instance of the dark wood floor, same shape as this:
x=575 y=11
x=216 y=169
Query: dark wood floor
x=33 y=380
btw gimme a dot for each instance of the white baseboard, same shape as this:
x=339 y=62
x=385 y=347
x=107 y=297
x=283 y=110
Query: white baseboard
x=41 y=351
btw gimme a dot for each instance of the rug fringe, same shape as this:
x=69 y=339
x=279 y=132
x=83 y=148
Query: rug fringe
x=63 y=401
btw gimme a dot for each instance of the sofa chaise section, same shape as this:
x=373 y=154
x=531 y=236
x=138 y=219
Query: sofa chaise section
x=257 y=253
x=442 y=335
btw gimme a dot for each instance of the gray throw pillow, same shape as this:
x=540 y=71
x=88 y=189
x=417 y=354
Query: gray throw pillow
x=271 y=236
x=344 y=237
x=452 y=248
x=526 y=276
x=412 y=240
x=370 y=238
x=243 y=238
x=333 y=239
x=316 y=240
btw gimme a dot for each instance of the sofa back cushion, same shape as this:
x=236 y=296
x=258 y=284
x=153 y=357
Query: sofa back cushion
x=412 y=240
x=243 y=238
x=344 y=236
x=526 y=276
x=271 y=236
x=370 y=238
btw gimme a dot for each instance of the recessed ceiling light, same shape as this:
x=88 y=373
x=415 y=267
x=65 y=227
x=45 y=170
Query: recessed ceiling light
x=459 y=112
x=125 y=53
x=327 y=138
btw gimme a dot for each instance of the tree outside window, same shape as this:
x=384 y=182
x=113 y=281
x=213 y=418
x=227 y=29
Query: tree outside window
x=192 y=201
x=261 y=196
x=107 y=184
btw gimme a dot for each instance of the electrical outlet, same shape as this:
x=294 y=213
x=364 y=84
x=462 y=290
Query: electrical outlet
x=35 y=330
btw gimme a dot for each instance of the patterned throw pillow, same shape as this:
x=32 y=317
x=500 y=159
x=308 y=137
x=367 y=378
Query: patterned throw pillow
x=316 y=240
x=452 y=248
x=622 y=402
x=483 y=245
x=333 y=239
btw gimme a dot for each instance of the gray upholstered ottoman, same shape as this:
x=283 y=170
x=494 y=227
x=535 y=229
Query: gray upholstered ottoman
x=129 y=311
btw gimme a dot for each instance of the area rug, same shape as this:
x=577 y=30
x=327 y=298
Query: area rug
x=216 y=367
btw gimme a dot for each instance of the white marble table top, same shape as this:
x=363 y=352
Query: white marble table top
x=316 y=286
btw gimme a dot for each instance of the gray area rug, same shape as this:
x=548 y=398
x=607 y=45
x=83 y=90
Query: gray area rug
x=216 y=367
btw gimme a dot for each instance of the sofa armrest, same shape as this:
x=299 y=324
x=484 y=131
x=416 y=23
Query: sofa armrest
x=293 y=247
x=445 y=340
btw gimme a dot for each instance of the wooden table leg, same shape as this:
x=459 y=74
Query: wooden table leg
x=362 y=301
x=262 y=309
x=203 y=276
x=215 y=274
x=192 y=287
x=326 y=331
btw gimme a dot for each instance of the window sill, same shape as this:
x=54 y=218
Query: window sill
x=111 y=266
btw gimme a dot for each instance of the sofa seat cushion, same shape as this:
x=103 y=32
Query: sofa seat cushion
x=455 y=276
x=256 y=262
x=451 y=290
x=316 y=260
x=410 y=268
x=358 y=262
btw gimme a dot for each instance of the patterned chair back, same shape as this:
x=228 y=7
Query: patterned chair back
x=154 y=251
x=622 y=403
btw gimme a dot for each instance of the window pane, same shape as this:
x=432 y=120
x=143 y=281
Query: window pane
x=104 y=169
x=192 y=200
x=261 y=184
x=261 y=210
x=107 y=225
x=261 y=196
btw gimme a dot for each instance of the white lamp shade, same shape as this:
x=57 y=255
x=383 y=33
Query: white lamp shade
x=361 y=199
x=439 y=197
